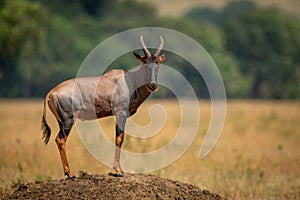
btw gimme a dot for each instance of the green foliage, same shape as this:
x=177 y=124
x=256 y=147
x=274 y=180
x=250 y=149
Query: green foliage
x=21 y=26
x=68 y=38
x=212 y=41
x=232 y=10
x=43 y=43
x=266 y=46
x=22 y=29
x=129 y=14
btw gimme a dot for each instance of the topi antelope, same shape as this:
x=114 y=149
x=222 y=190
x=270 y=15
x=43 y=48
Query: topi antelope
x=117 y=93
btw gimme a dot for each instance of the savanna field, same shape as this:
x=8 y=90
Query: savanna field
x=256 y=157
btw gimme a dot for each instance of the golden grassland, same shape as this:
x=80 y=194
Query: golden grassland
x=256 y=157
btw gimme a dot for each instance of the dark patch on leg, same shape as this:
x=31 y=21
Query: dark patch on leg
x=119 y=131
x=65 y=128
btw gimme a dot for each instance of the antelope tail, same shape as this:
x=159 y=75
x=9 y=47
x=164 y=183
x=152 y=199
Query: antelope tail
x=44 y=126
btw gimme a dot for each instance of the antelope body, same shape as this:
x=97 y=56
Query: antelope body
x=117 y=93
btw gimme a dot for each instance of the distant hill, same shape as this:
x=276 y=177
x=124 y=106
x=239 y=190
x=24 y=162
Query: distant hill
x=179 y=7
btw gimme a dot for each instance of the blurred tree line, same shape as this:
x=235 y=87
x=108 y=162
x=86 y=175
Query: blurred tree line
x=43 y=42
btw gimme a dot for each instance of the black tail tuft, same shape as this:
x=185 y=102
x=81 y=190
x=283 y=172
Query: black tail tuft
x=46 y=130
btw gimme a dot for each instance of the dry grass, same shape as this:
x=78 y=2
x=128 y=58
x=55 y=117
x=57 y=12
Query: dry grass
x=257 y=156
x=179 y=7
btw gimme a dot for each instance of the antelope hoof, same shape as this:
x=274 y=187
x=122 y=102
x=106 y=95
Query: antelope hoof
x=119 y=172
x=69 y=176
x=72 y=177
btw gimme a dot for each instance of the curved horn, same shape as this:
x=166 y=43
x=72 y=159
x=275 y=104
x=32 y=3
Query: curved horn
x=160 y=47
x=146 y=51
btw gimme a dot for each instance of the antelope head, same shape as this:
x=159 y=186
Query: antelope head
x=151 y=64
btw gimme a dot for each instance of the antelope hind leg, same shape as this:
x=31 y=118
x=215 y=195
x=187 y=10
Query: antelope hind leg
x=61 y=140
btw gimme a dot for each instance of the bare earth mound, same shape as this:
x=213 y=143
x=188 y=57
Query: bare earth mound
x=99 y=186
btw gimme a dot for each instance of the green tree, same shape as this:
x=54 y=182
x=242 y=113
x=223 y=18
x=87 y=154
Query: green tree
x=71 y=34
x=218 y=17
x=212 y=39
x=22 y=29
x=267 y=46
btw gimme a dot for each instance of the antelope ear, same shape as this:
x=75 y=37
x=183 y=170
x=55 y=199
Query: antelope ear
x=141 y=58
x=161 y=58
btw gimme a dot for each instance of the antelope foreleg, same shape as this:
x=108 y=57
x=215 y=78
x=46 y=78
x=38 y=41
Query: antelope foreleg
x=119 y=141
